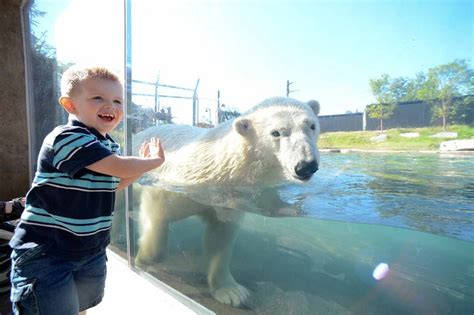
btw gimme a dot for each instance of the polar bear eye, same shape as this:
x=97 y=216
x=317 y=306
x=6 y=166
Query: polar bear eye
x=313 y=127
x=275 y=133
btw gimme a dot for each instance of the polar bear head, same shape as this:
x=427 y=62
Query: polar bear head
x=282 y=134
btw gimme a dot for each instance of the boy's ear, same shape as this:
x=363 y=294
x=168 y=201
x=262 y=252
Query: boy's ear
x=68 y=105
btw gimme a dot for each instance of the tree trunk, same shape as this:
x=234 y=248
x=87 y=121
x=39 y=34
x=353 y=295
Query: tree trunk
x=381 y=117
x=445 y=114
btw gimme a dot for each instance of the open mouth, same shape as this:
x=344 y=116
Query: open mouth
x=107 y=117
x=304 y=178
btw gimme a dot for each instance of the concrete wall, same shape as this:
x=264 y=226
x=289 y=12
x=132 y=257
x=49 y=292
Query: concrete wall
x=14 y=166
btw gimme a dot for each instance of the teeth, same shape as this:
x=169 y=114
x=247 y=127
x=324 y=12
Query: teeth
x=107 y=115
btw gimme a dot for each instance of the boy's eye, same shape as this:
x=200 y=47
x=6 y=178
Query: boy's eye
x=119 y=102
x=97 y=98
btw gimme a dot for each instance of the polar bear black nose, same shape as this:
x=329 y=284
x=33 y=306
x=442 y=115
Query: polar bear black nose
x=305 y=169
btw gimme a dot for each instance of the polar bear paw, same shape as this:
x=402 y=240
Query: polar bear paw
x=235 y=295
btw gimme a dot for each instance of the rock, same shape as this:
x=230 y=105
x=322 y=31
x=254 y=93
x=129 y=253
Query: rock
x=457 y=145
x=379 y=138
x=410 y=135
x=445 y=134
x=269 y=299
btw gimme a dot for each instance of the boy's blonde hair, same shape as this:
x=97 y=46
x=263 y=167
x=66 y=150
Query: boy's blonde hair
x=75 y=75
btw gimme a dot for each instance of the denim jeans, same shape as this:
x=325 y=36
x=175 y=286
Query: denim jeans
x=50 y=286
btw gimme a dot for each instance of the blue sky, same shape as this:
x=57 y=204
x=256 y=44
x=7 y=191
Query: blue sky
x=329 y=49
x=248 y=49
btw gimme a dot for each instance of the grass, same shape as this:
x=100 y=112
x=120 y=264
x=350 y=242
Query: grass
x=361 y=139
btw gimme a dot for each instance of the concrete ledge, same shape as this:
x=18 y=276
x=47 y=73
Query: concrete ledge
x=126 y=292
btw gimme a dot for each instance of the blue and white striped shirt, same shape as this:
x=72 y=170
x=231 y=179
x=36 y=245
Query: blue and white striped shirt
x=69 y=208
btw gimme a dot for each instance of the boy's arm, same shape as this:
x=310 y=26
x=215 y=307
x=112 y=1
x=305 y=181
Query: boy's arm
x=131 y=167
x=124 y=182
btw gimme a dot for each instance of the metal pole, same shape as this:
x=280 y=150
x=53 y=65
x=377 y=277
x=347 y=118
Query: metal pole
x=288 y=91
x=30 y=110
x=157 y=100
x=128 y=126
x=218 y=111
x=195 y=104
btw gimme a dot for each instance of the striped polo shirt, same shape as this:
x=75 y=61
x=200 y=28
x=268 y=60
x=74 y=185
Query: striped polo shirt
x=68 y=207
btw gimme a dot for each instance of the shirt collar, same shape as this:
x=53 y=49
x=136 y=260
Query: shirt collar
x=77 y=123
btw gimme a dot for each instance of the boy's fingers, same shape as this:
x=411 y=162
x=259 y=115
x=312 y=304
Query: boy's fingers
x=144 y=149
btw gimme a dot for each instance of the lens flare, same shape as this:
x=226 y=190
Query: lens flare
x=380 y=271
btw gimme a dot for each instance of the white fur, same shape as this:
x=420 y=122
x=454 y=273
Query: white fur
x=238 y=153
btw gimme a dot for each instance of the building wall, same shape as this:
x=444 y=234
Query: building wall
x=418 y=114
x=414 y=114
x=14 y=165
x=343 y=122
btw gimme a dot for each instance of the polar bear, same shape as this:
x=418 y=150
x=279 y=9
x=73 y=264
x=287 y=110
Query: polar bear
x=273 y=143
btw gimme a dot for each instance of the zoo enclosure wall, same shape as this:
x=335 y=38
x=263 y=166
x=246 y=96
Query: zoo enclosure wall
x=14 y=166
x=415 y=114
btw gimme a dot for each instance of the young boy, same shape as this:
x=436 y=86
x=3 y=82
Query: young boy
x=58 y=258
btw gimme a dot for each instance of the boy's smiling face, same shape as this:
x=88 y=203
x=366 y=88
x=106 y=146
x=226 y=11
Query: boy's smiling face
x=97 y=103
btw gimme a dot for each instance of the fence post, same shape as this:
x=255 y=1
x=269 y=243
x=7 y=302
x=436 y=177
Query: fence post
x=364 y=121
x=195 y=104
x=157 y=101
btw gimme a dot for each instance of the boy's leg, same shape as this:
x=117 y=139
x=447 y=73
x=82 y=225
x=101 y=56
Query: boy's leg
x=90 y=281
x=42 y=284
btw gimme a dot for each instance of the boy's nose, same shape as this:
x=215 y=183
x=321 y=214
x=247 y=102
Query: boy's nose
x=109 y=104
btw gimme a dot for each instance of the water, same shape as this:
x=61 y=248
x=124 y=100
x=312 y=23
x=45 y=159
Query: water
x=426 y=192
x=413 y=212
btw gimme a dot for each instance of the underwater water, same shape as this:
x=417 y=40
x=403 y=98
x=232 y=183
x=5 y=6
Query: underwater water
x=371 y=234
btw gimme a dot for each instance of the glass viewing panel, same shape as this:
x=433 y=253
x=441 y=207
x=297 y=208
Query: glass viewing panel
x=59 y=35
x=235 y=219
x=232 y=219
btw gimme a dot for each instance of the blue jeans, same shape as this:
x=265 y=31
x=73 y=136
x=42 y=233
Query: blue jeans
x=50 y=286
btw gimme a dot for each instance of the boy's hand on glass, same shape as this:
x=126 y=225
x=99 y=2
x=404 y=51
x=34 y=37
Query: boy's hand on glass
x=152 y=149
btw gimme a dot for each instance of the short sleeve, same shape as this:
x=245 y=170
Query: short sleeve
x=73 y=151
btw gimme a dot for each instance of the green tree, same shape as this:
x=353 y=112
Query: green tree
x=227 y=114
x=414 y=86
x=44 y=75
x=399 y=88
x=386 y=95
x=444 y=85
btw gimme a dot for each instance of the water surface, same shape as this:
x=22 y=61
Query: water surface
x=426 y=192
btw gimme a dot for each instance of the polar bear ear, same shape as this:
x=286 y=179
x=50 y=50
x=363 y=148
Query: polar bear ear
x=314 y=106
x=243 y=126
